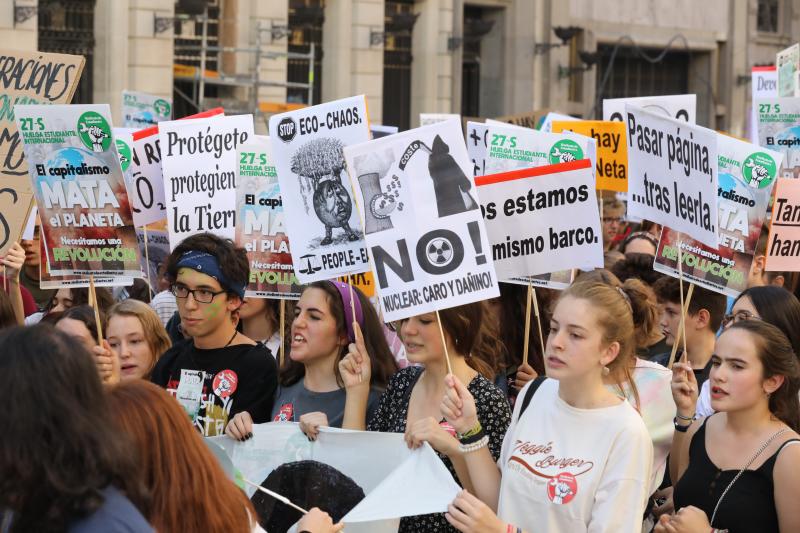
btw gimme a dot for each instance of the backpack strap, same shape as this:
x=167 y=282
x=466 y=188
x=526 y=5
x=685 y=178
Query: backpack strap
x=534 y=386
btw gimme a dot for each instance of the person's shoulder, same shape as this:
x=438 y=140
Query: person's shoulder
x=405 y=376
x=171 y=356
x=480 y=386
x=162 y=298
x=116 y=515
x=651 y=371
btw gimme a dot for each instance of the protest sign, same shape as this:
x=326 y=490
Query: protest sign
x=783 y=246
x=28 y=78
x=678 y=106
x=80 y=191
x=746 y=175
x=547 y=123
x=379 y=130
x=532 y=120
x=426 y=119
x=397 y=482
x=198 y=162
x=612 y=150
x=477 y=146
x=154 y=254
x=260 y=229
x=28 y=234
x=542 y=219
x=672 y=169
x=323 y=222
x=788 y=63
x=142 y=110
x=764 y=85
x=512 y=147
x=779 y=130
x=144 y=178
x=48 y=281
x=423 y=224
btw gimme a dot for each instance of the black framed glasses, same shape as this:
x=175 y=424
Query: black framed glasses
x=738 y=316
x=201 y=296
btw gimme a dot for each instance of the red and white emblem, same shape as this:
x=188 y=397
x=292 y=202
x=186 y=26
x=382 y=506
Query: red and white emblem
x=286 y=413
x=225 y=383
x=562 y=488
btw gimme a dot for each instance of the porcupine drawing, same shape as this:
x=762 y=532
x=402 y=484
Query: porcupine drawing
x=322 y=161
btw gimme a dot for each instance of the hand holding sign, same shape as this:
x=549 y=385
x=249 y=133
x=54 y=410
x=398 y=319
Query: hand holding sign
x=13 y=261
x=458 y=405
x=355 y=367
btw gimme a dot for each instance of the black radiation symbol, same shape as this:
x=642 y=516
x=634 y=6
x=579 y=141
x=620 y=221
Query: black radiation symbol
x=440 y=252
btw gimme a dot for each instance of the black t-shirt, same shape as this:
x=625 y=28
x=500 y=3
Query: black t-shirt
x=236 y=378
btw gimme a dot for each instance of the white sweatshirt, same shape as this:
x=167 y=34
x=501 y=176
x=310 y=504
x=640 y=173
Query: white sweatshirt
x=576 y=470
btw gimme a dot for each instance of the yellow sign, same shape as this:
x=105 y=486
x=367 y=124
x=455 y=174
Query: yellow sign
x=364 y=281
x=612 y=150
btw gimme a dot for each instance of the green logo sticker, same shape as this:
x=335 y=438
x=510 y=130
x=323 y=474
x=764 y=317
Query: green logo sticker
x=124 y=154
x=564 y=151
x=759 y=170
x=94 y=131
x=162 y=107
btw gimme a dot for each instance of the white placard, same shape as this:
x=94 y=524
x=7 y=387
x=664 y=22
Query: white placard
x=764 y=85
x=426 y=119
x=678 y=106
x=423 y=224
x=142 y=110
x=542 y=219
x=672 y=173
x=321 y=218
x=199 y=168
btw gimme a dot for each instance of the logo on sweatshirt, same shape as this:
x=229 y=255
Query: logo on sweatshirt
x=225 y=383
x=562 y=488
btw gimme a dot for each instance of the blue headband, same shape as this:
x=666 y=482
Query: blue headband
x=207 y=264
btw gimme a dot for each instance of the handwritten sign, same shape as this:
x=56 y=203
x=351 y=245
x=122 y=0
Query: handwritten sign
x=783 y=246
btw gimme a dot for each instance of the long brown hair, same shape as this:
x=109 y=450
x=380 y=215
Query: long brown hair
x=778 y=359
x=154 y=333
x=383 y=363
x=613 y=308
x=189 y=489
x=475 y=338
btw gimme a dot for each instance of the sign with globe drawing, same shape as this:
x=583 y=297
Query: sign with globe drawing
x=422 y=221
x=76 y=176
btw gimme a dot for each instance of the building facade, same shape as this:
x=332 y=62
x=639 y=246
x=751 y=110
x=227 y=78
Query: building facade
x=483 y=58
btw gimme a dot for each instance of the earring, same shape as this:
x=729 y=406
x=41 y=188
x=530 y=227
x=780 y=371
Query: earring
x=606 y=371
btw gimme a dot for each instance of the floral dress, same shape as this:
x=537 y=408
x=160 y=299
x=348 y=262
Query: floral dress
x=494 y=415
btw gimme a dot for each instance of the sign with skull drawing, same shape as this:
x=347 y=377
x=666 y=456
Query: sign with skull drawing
x=321 y=219
x=422 y=220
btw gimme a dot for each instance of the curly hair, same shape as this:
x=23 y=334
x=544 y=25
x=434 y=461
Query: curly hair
x=232 y=260
x=62 y=452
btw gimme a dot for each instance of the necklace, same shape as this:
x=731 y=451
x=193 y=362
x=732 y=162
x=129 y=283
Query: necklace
x=231 y=339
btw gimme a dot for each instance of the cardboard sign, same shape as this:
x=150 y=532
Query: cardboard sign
x=764 y=85
x=679 y=106
x=199 y=167
x=323 y=222
x=423 y=224
x=542 y=219
x=746 y=177
x=788 y=63
x=397 y=481
x=612 y=150
x=672 y=174
x=779 y=130
x=426 y=119
x=260 y=229
x=532 y=120
x=144 y=178
x=142 y=110
x=28 y=78
x=783 y=246
x=80 y=191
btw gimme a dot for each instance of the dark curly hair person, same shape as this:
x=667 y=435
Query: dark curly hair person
x=64 y=467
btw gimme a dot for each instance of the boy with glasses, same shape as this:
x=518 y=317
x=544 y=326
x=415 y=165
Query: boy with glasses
x=216 y=372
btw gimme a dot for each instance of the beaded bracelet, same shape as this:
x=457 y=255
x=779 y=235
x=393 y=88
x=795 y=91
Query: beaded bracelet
x=468 y=448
